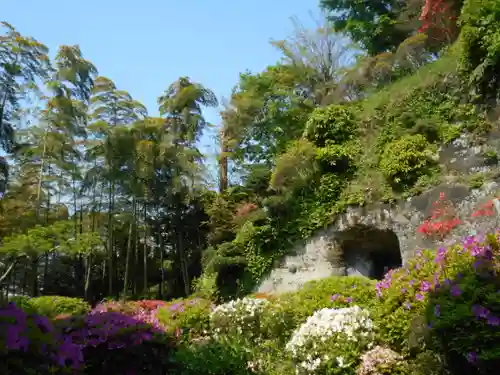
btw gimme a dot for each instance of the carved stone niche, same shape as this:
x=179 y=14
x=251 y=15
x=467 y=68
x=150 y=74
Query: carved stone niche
x=364 y=250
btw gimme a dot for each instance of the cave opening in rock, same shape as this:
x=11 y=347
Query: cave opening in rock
x=368 y=251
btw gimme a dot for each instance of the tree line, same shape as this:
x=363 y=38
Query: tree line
x=100 y=199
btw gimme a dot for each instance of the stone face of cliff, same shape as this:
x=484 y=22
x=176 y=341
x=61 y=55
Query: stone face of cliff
x=371 y=239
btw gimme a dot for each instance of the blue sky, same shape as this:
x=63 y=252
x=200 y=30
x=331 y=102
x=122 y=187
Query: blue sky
x=145 y=45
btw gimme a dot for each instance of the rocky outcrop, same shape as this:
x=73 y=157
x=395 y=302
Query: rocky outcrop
x=372 y=227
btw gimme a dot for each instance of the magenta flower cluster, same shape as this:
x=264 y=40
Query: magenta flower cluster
x=65 y=342
x=35 y=334
x=113 y=329
x=475 y=249
x=136 y=312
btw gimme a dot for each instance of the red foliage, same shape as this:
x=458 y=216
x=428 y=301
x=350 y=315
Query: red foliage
x=442 y=221
x=150 y=304
x=485 y=210
x=438 y=19
x=62 y=316
x=444 y=218
x=261 y=295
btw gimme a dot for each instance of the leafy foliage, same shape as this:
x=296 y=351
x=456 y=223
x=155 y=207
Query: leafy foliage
x=335 y=124
x=295 y=167
x=406 y=160
x=480 y=45
x=376 y=26
x=53 y=306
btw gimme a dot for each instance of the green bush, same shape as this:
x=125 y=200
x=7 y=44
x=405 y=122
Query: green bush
x=399 y=311
x=463 y=307
x=212 y=357
x=407 y=159
x=332 y=124
x=295 y=167
x=480 y=45
x=338 y=158
x=24 y=303
x=51 y=306
x=332 y=292
x=445 y=304
x=187 y=316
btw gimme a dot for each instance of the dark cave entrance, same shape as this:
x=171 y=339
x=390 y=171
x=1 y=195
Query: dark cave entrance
x=368 y=251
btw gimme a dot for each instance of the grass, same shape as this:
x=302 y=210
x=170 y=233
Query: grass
x=427 y=75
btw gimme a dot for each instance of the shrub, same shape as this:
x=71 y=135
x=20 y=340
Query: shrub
x=51 y=306
x=338 y=291
x=380 y=360
x=149 y=305
x=23 y=303
x=115 y=343
x=239 y=317
x=332 y=124
x=115 y=306
x=206 y=286
x=212 y=357
x=144 y=311
x=407 y=159
x=464 y=305
x=190 y=316
x=338 y=158
x=30 y=345
x=401 y=303
x=331 y=339
x=480 y=44
x=295 y=167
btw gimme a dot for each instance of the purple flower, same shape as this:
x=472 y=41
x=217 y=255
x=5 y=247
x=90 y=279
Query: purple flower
x=476 y=250
x=419 y=297
x=441 y=255
x=472 y=357
x=493 y=320
x=437 y=310
x=407 y=306
x=455 y=290
x=478 y=263
x=175 y=307
x=16 y=339
x=480 y=311
x=425 y=286
x=334 y=297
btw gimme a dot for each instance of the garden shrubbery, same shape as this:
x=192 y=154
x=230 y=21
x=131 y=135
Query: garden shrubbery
x=440 y=313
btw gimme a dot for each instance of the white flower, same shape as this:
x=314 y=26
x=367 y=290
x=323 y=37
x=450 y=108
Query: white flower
x=240 y=315
x=324 y=323
x=352 y=324
x=340 y=361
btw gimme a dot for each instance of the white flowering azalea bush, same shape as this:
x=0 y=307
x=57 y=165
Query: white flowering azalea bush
x=240 y=317
x=332 y=341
